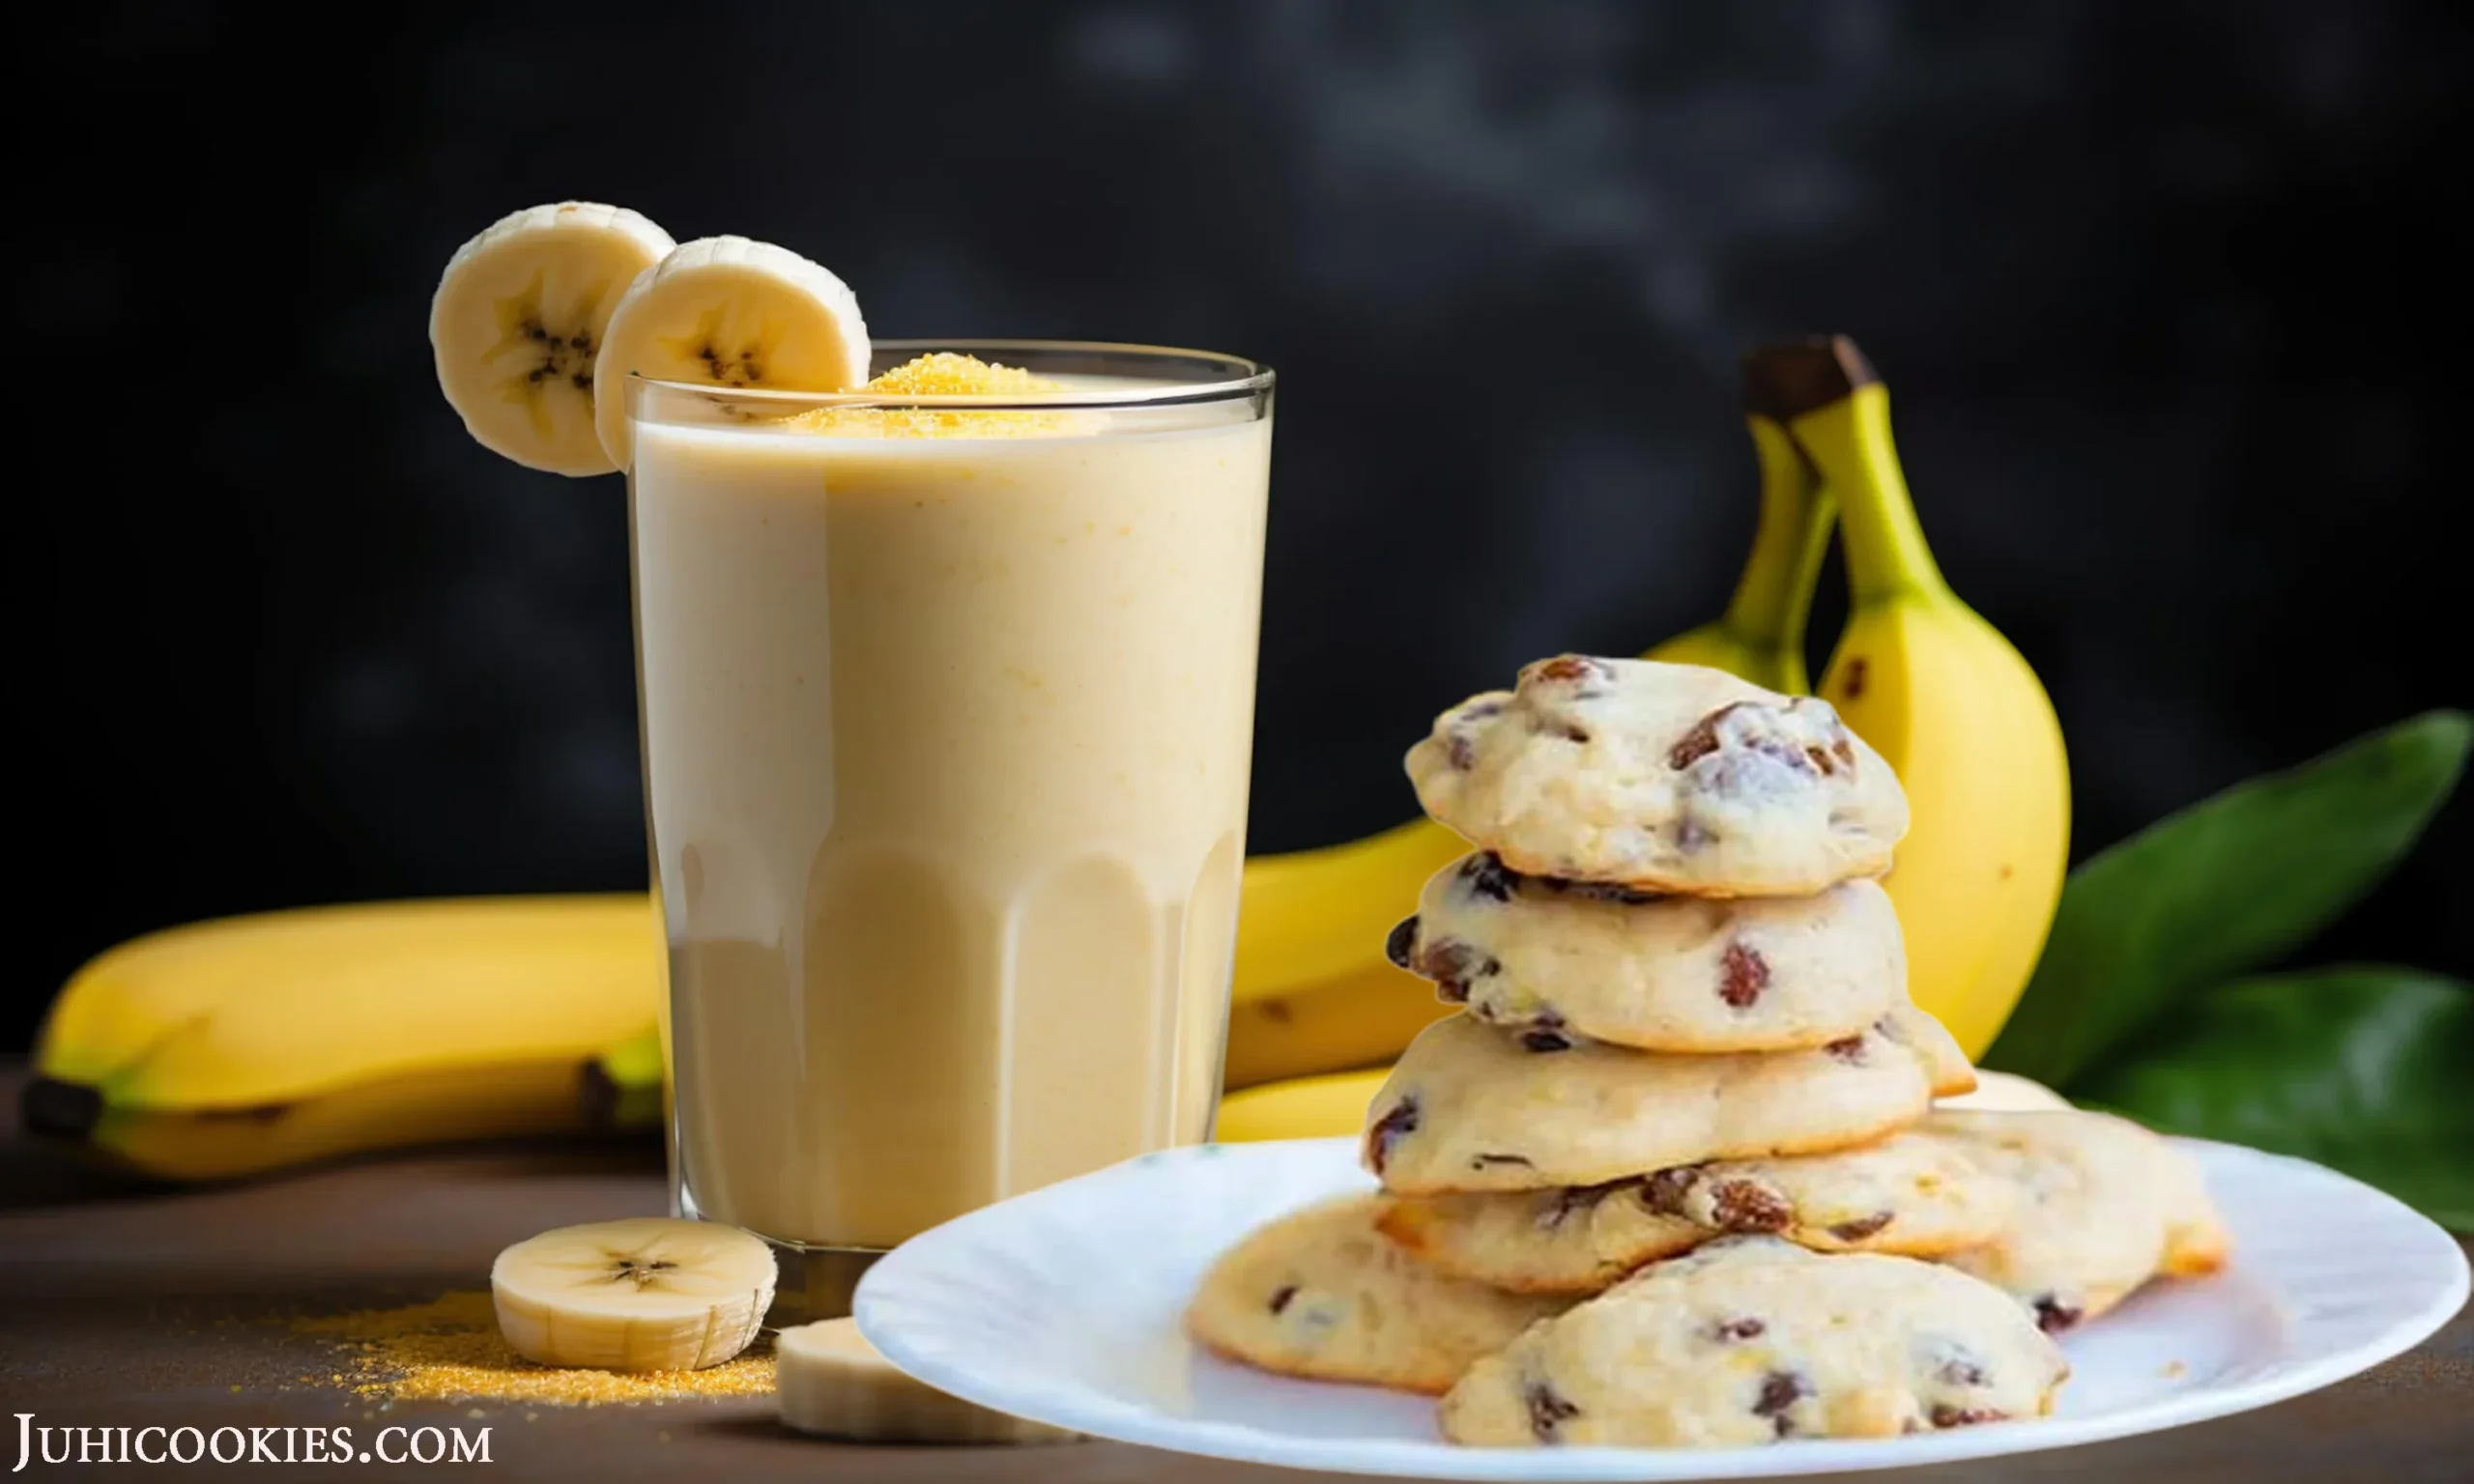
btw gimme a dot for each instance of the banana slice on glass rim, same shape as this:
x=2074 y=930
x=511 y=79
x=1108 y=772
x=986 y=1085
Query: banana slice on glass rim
x=727 y=312
x=516 y=326
x=645 y=1294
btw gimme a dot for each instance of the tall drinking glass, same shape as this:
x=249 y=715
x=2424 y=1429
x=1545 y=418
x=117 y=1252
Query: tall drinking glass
x=947 y=709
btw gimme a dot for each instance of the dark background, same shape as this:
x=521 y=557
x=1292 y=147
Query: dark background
x=2169 y=296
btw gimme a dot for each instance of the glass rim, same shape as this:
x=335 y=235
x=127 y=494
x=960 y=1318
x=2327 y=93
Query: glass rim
x=1245 y=378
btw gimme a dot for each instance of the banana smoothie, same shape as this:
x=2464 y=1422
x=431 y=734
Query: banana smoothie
x=946 y=673
x=947 y=716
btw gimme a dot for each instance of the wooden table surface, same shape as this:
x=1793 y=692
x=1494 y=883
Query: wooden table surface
x=129 y=1306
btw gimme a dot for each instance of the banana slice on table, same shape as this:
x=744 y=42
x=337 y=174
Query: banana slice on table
x=518 y=321
x=832 y=1383
x=725 y=311
x=647 y=1294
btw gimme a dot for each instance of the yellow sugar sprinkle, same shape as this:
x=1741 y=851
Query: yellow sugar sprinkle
x=945 y=374
x=450 y=1349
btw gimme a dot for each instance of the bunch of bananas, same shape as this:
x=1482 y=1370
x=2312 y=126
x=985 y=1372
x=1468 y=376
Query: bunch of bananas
x=227 y=1049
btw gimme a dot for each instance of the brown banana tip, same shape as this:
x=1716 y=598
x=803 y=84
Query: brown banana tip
x=597 y=1096
x=1787 y=381
x=53 y=1109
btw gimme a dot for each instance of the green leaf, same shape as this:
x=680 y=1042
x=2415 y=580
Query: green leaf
x=2367 y=1070
x=2222 y=888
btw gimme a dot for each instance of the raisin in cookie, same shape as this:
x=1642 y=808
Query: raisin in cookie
x=1912 y=1195
x=1751 y=1339
x=1470 y=1108
x=1672 y=777
x=1321 y=1293
x=1541 y=956
x=2100 y=1206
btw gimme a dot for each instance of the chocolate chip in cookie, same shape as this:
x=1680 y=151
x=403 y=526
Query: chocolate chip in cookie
x=1961 y=1368
x=2052 y=1316
x=1701 y=741
x=1452 y=965
x=1664 y=1191
x=1735 y=1205
x=1545 y=1033
x=1402 y=944
x=1389 y=1130
x=1611 y=891
x=1572 y=1199
x=1485 y=875
x=1572 y=670
x=1861 y=1227
x=1946 y=1415
x=1780 y=1392
x=1548 y=1410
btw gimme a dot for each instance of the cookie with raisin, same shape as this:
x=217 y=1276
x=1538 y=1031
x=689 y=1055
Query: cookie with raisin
x=1468 y=1107
x=2099 y=1207
x=1750 y=1340
x=1321 y=1293
x=1543 y=957
x=1671 y=778
x=1912 y=1194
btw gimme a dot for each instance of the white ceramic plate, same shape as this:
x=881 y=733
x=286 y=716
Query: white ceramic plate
x=1063 y=1306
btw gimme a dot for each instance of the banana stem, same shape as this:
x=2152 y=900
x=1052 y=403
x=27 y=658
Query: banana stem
x=1850 y=441
x=1775 y=593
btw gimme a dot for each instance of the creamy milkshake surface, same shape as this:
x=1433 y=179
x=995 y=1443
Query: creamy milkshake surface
x=947 y=716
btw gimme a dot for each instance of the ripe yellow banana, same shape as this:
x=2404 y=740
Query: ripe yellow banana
x=1761 y=635
x=1365 y=1017
x=1302 y=1108
x=1956 y=711
x=229 y=1048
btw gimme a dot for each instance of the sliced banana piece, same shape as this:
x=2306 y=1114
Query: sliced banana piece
x=647 y=1293
x=725 y=311
x=832 y=1383
x=518 y=321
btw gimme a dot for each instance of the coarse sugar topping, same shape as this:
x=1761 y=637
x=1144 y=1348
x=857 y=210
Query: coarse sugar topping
x=947 y=374
x=449 y=1348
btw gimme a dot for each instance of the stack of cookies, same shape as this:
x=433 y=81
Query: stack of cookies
x=1673 y=952
x=1669 y=1177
